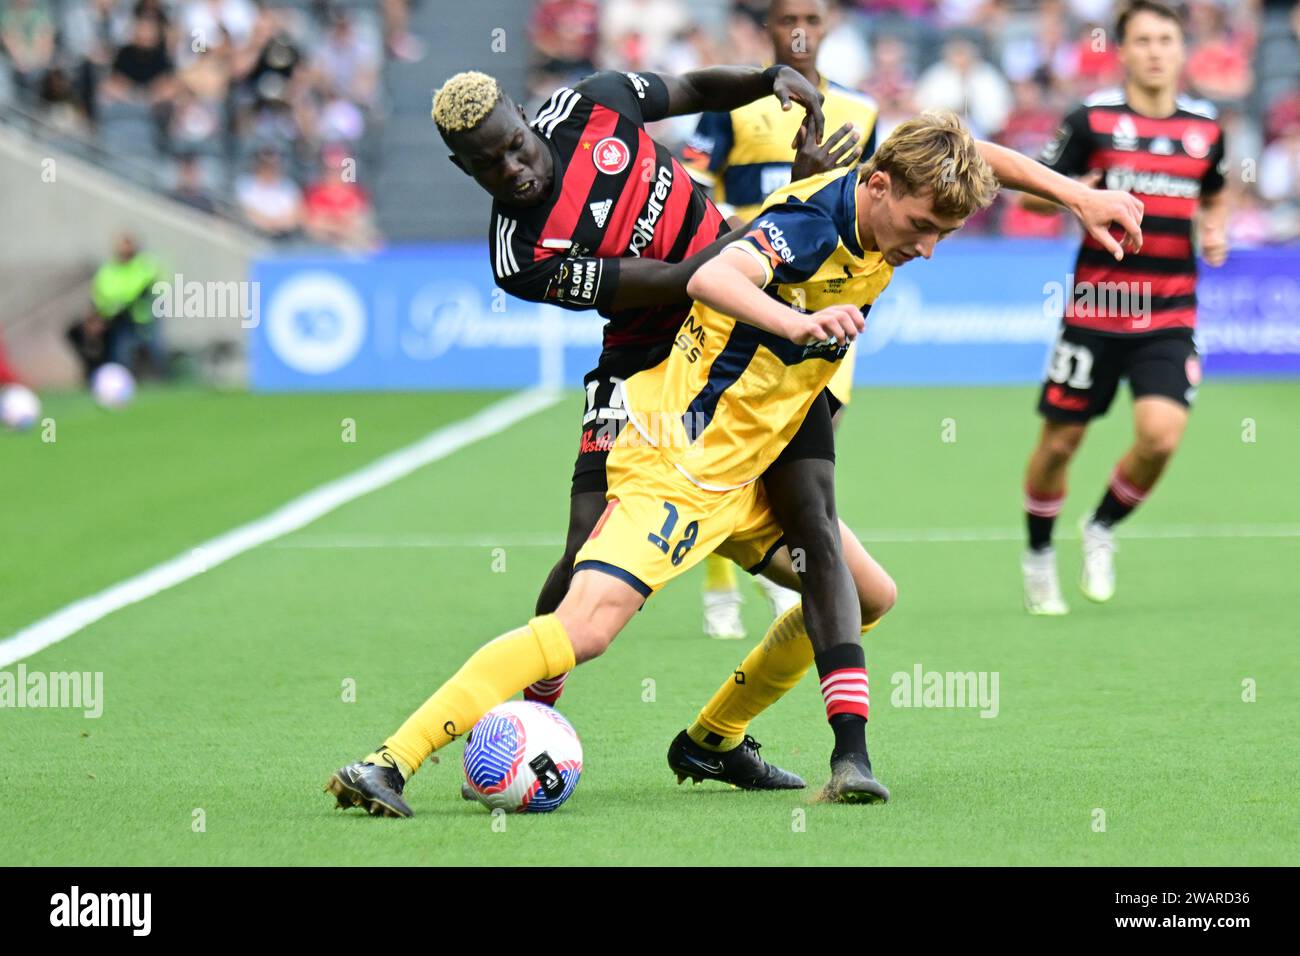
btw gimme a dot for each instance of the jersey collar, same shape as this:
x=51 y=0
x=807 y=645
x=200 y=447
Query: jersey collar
x=852 y=238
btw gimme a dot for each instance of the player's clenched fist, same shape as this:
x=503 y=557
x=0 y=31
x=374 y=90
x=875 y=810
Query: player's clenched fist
x=839 y=322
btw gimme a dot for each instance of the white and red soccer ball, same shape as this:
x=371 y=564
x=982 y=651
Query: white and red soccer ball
x=19 y=407
x=112 y=386
x=522 y=757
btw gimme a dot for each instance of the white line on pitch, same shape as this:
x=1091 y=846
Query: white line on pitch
x=868 y=535
x=296 y=514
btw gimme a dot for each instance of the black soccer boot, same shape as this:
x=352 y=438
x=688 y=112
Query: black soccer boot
x=741 y=766
x=853 y=782
x=376 y=788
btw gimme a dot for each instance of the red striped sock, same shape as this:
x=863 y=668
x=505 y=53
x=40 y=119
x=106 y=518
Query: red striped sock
x=1041 y=509
x=1127 y=493
x=546 y=691
x=847 y=691
x=1042 y=504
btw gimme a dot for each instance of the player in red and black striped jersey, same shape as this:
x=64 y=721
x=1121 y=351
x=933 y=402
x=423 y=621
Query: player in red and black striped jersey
x=1131 y=318
x=615 y=194
x=590 y=212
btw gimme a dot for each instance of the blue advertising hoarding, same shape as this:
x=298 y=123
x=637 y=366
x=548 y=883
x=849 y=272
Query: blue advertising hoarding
x=981 y=312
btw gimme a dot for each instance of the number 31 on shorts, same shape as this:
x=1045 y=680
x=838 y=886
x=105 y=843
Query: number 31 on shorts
x=1071 y=365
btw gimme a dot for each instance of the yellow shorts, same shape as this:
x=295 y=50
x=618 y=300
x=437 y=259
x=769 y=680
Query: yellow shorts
x=841 y=383
x=658 y=524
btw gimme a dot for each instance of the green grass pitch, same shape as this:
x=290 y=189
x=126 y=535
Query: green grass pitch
x=1122 y=736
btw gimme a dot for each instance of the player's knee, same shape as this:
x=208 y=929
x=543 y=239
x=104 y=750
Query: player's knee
x=813 y=537
x=1157 y=446
x=878 y=598
x=1060 y=444
x=588 y=642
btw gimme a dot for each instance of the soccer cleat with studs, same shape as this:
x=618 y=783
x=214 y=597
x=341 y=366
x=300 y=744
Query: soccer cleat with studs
x=375 y=788
x=741 y=766
x=853 y=782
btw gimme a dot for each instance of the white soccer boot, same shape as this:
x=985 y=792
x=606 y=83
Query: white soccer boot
x=1042 y=586
x=779 y=598
x=1097 y=582
x=722 y=615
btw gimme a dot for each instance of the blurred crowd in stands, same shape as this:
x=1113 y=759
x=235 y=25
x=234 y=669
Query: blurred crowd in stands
x=263 y=108
x=1012 y=68
x=260 y=106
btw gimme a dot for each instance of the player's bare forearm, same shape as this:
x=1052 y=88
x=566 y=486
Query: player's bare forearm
x=1033 y=203
x=1213 y=227
x=732 y=284
x=1017 y=171
x=1096 y=209
x=725 y=88
x=650 y=283
x=1214 y=210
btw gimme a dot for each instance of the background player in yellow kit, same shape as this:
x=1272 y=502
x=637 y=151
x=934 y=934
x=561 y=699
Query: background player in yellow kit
x=746 y=367
x=746 y=155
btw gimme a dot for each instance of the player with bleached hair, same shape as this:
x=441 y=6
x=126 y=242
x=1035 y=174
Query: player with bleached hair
x=774 y=313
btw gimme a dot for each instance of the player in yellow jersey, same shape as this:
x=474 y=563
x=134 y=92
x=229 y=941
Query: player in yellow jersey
x=773 y=315
x=745 y=156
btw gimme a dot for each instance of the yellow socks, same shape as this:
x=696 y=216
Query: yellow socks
x=770 y=669
x=719 y=574
x=496 y=672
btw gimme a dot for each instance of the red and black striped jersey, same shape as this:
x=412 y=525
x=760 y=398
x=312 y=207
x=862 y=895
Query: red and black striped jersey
x=1169 y=163
x=616 y=193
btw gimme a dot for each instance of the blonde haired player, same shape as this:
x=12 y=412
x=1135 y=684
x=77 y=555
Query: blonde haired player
x=745 y=368
x=745 y=155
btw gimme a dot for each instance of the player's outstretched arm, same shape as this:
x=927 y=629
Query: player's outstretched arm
x=732 y=283
x=725 y=88
x=1097 y=209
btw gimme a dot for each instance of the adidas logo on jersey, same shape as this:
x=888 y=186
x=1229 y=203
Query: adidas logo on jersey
x=600 y=212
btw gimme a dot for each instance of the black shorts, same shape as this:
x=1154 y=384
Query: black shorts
x=603 y=418
x=816 y=436
x=603 y=414
x=1085 y=368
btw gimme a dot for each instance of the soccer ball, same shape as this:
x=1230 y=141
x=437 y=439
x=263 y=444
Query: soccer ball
x=112 y=385
x=19 y=407
x=522 y=757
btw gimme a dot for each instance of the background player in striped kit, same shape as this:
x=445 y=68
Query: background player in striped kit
x=1132 y=318
x=746 y=155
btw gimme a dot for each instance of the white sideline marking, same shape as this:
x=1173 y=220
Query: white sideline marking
x=867 y=536
x=287 y=518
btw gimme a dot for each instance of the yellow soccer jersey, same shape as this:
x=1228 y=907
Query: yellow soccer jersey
x=730 y=396
x=745 y=155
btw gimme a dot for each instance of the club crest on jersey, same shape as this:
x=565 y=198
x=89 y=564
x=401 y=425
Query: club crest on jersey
x=611 y=155
x=1125 y=135
x=600 y=212
x=1195 y=145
